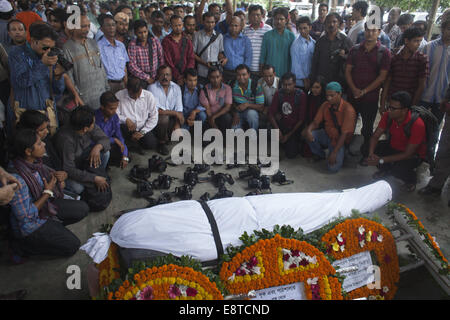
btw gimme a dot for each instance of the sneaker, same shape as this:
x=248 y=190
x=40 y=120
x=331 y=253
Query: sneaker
x=429 y=190
x=163 y=149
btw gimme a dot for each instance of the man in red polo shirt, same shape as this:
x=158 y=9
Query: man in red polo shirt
x=178 y=50
x=366 y=70
x=400 y=155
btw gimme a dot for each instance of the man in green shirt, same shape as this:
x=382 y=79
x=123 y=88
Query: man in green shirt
x=276 y=44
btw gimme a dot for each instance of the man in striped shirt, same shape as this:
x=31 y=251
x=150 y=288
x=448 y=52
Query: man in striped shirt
x=248 y=99
x=140 y=65
x=255 y=32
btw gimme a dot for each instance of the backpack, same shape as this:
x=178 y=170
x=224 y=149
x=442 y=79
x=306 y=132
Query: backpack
x=431 y=127
x=95 y=199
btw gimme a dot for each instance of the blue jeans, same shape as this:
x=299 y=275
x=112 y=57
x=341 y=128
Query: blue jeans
x=250 y=116
x=78 y=188
x=321 y=142
x=200 y=116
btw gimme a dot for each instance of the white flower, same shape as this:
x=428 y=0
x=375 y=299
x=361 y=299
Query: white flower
x=286 y=251
x=372 y=298
x=385 y=289
x=232 y=277
x=435 y=242
x=362 y=243
x=311 y=281
x=361 y=230
x=138 y=295
x=342 y=248
x=313 y=260
x=256 y=270
x=339 y=237
x=380 y=238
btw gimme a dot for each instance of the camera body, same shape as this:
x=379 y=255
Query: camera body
x=144 y=189
x=66 y=64
x=253 y=171
x=190 y=176
x=223 y=193
x=219 y=179
x=261 y=183
x=137 y=173
x=162 y=182
x=157 y=164
x=184 y=192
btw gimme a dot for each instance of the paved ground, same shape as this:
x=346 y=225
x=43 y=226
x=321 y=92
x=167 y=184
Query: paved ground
x=46 y=278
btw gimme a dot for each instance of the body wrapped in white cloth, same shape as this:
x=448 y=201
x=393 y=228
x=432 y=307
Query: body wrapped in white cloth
x=182 y=228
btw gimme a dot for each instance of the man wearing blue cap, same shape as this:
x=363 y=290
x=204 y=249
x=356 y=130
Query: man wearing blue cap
x=339 y=119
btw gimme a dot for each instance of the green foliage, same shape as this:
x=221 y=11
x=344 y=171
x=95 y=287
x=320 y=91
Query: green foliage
x=411 y=5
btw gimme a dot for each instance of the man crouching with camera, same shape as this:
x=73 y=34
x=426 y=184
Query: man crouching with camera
x=35 y=76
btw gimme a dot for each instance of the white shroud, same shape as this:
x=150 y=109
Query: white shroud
x=182 y=228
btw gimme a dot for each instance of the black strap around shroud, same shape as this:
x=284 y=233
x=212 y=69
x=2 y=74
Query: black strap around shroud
x=215 y=230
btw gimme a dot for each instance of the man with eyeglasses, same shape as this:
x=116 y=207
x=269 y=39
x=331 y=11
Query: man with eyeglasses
x=400 y=155
x=35 y=79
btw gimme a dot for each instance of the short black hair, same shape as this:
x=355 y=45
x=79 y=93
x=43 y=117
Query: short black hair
x=134 y=84
x=174 y=16
x=405 y=19
x=15 y=20
x=162 y=67
x=39 y=31
x=121 y=7
x=267 y=67
x=288 y=75
x=24 y=5
x=188 y=17
x=81 y=118
x=31 y=119
x=108 y=97
x=413 y=32
x=157 y=15
x=282 y=11
x=207 y=15
x=139 y=24
x=303 y=19
x=362 y=7
x=403 y=97
x=190 y=72
x=102 y=17
x=334 y=14
x=242 y=66
x=59 y=14
x=420 y=24
x=255 y=7
x=212 y=5
x=213 y=69
x=323 y=5
x=168 y=8
x=23 y=139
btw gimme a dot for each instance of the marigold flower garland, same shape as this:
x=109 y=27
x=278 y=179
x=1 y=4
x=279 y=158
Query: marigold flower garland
x=167 y=282
x=366 y=235
x=428 y=239
x=282 y=261
x=108 y=268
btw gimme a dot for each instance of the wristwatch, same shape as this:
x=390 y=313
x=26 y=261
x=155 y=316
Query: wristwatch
x=381 y=161
x=49 y=192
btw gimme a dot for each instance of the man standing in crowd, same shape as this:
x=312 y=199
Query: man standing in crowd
x=145 y=53
x=287 y=113
x=138 y=115
x=189 y=27
x=318 y=26
x=409 y=69
x=330 y=52
x=88 y=73
x=400 y=155
x=82 y=144
x=391 y=28
x=17 y=34
x=366 y=70
x=33 y=77
x=178 y=50
x=248 y=99
x=6 y=14
x=113 y=54
x=58 y=20
x=157 y=27
x=438 y=79
x=359 y=13
x=269 y=83
x=302 y=51
x=169 y=102
x=122 y=25
x=275 y=49
x=238 y=49
x=255 y=32
x=27 y=16
x=339 y=119
x=217 y=100
x=208 y=48
x=404 y=22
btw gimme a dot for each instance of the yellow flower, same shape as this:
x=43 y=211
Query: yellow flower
x=247 y=278
x=368 y=236
x=335 y=246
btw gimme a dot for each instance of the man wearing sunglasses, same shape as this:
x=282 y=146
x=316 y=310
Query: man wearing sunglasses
x=400 y=155
x=35 y=79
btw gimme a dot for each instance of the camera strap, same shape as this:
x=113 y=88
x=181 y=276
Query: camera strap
x=214 y=228
x=211 y=40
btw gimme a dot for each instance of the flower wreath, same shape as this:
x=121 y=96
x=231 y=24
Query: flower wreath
x=108 y=269
x=280 y=261
x=165 y=282
x=426 y=237
x=358 y=235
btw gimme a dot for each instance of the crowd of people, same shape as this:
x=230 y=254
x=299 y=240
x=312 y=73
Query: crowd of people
x=81 y=93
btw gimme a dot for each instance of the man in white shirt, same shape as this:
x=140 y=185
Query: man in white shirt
x=358 y=14
x=138 y=115
x=269 y=84
x=170 y=107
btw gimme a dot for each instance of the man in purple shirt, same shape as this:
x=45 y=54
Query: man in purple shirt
x=107 y=119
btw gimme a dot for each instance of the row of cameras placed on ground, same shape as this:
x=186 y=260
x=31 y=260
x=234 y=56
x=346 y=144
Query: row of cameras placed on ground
x=145 y=189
